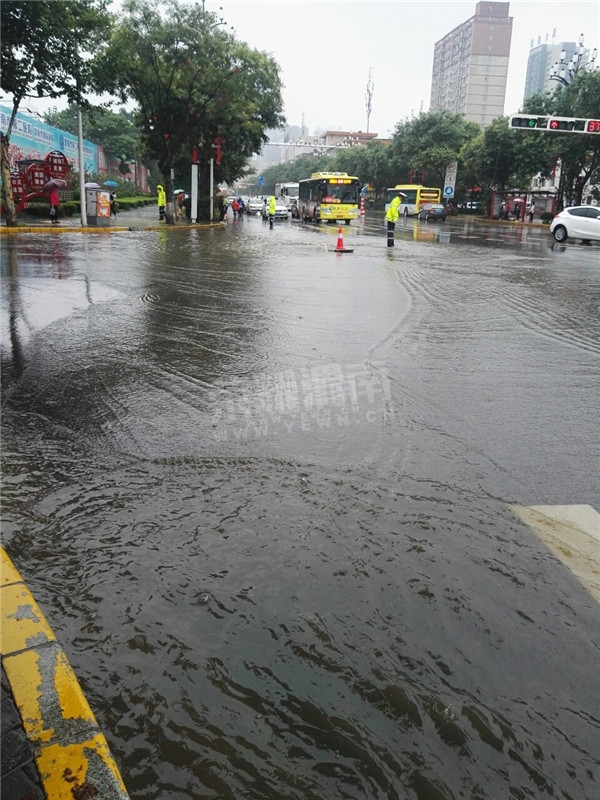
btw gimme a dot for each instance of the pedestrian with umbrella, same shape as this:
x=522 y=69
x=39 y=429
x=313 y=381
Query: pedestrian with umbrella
x=51 y=189
x=54 y=204
x=113 y=197
x=179 y=195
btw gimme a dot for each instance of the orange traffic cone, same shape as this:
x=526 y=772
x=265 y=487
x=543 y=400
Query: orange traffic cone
x=339 y=248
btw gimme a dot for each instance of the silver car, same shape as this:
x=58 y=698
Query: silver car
x=281 y=210
x=577 y=222
x=254 y=205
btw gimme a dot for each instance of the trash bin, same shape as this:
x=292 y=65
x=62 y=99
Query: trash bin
x=97 y=207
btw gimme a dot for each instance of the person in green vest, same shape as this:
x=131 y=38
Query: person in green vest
x=161 y=200
x=391 y=217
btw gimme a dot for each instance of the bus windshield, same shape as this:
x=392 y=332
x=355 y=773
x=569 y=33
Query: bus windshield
x=338 y=193
x=329 y=197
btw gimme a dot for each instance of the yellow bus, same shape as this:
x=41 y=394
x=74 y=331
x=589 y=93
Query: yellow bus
x=329 y=196
x=415 y=196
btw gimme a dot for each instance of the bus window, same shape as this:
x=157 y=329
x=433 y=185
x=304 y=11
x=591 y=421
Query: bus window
x=414 y=197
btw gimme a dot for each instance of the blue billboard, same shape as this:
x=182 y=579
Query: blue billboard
x=32 y=138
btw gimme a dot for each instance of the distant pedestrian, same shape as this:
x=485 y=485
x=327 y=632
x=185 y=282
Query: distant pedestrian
x=235 y=207
x=531 y=212
x=222 y=209
x=54 y=204
x=506 y=212
x=179 y=205
x=161 y=199
x=113 y=204
x=391 y=217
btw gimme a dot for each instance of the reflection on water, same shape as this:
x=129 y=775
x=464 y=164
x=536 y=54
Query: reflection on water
x=262 y=494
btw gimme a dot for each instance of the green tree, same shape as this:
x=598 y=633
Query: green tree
x=490 y=157
x=577 y=153
x=423 y=146
x=198 y=89
x=45 y=51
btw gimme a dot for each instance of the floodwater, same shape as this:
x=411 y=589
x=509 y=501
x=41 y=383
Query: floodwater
x=262 y=492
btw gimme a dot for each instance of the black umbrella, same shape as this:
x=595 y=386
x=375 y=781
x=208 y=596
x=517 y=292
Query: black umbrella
x=53 y=183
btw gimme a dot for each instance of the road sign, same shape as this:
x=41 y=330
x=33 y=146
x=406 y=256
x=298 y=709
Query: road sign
x=451 y=169
x=261 y=181
x=450 y=179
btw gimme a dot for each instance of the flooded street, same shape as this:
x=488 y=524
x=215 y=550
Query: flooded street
x=262 y=492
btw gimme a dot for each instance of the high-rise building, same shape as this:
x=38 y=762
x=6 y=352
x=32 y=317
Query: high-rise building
x=470 y=65
x=541 y=58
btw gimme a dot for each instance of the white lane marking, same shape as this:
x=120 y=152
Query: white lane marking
x=572 y=533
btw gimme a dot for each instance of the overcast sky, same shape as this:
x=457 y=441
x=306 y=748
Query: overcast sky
x=325 y=49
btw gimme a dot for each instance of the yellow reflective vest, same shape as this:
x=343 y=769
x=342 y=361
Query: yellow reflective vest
x=272 y=205
x=161 y=196
x=391 y=214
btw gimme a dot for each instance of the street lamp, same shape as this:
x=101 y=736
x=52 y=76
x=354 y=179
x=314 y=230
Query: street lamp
x=564 y=72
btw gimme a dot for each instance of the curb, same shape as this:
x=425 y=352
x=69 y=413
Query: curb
x=70 y=751
x=57 y=229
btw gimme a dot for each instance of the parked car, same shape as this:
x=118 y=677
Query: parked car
x=254 y=205
x=281 y=210
x=433 y=211
x=577 y=222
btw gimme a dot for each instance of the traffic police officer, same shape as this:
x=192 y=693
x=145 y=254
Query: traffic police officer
x=271 y=209
x=391 y=216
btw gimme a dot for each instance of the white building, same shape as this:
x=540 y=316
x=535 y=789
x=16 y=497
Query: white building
x=470 y=65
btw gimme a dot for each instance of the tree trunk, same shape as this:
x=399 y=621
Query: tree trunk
x=9 y=201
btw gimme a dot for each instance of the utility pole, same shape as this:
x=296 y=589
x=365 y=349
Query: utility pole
x=369 y=96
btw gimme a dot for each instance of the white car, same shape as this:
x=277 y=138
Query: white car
x=281 y=210
x=254 y=205
x=577 y=222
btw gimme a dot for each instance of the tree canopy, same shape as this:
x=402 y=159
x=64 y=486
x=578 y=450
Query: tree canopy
x=577 y=154
x=198 y=89
x=46 y=47
x=45 y=51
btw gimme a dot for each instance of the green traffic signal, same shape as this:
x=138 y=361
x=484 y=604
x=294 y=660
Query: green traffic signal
x=523 y=122
x=571 y=124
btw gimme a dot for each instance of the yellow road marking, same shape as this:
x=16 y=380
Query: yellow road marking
x=72 y=754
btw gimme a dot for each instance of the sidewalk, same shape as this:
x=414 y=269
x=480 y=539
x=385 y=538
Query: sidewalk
x=52 y=748
x=145 y=218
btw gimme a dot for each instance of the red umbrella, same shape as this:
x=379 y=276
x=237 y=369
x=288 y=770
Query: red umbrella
x=53 y=183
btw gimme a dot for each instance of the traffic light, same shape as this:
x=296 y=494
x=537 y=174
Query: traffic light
x=572 y=124
x=528 y=122
x=561 y=125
